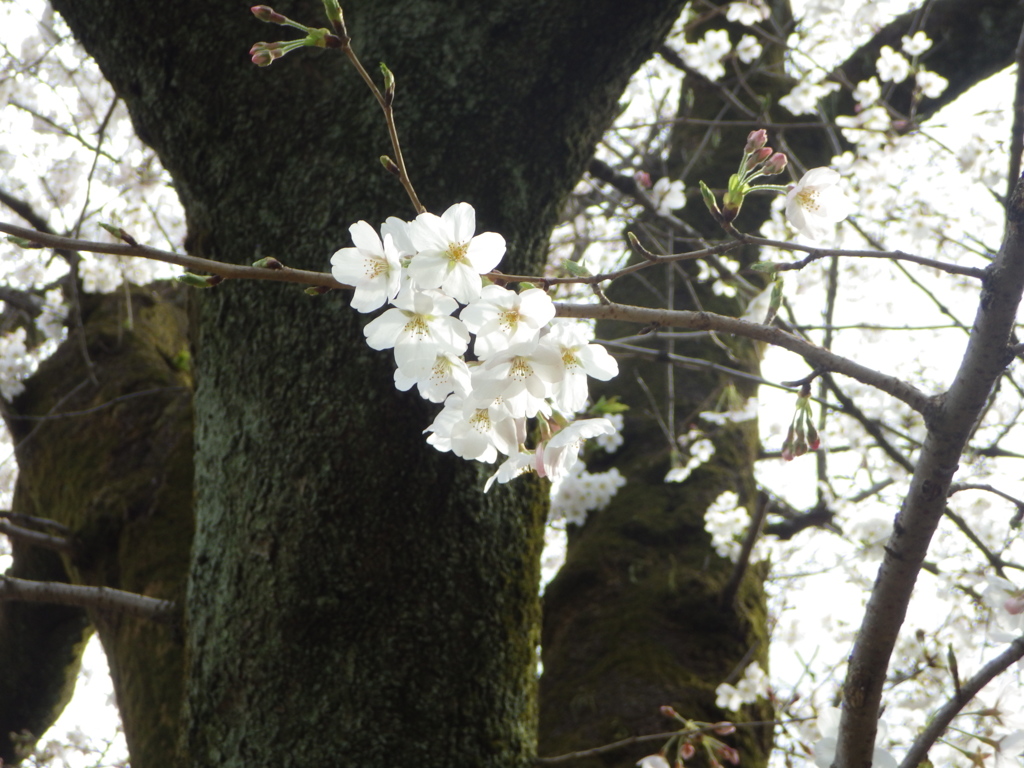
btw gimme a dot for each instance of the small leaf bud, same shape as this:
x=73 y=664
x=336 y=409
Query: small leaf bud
x=390 y=165
x=389 y=84
x=268 y=262
x=119 y=233
x=23 y=242
x=200 y=281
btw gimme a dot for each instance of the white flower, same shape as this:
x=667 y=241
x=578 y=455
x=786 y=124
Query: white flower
x=931 y=84
x=515 y=465
x=825 y=750
x=524 y=376
x=473 y=433
x=867 y=92
x=501 y=318
x=419 y=322
x=752 y=686
x=816 y=203
x=372 y=267
x=804 y=98
x=668 y=195
x=448 y=256
x=748 y=49
x=707 y=53
x=916 y=45
x=1006 y=600
x=747 y=13
x=580 y=359
x=892 y=66
x=562 y=451
x=653 y=761
x=436 y=373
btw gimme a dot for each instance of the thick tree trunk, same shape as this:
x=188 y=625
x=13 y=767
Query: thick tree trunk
x=104 y=444
x=352 y=594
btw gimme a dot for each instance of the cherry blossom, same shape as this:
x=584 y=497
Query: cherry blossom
x=523 y=375
x=653 y=761
x=448 y=256
x=372 y=267
x=892 y=66
x=561 y=452
x=502 y=317
x=581 y=359
x=420 y=320
x=816 y=203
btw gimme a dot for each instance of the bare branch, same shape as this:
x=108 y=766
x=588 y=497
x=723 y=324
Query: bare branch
x=949 y=428
x=820 y=359
x=944 y=716
x=45 y=540
x=96 y=598
x=818 y=253
x=284 y=275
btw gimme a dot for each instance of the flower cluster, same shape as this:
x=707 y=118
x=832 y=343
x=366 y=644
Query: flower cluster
x=524 y=364
x=695 y=736
x=748 y=689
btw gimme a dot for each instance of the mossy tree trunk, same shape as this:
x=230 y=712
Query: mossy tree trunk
x=352 y=596
x=104 y=444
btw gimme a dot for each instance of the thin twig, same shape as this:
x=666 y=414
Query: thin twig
x=284 y=275
x=44 y=540
x=941 y=719
x=95 y=598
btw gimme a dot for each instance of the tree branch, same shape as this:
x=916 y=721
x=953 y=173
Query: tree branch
x=949 y=428
x=968 y=690
x=820 y=359
x=284 y=275
x=96 y=598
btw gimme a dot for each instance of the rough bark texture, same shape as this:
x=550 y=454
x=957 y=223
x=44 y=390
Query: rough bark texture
x=352 y=595
x=104 y=448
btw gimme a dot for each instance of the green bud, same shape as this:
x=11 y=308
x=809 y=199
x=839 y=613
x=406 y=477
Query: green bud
x=119 y=233
x=22 y=242
x=200 y=281
x=390 y=165
x=776 y=300
x=389 y=84
x=764 y=266
x=575 y=269
x=709 y=200
x=608 y=406
x=268 y=262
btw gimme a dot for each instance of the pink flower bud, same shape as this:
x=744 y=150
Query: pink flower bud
x=775 y=164
x=667 y=711
x=729 y=754
x=1014 y=606
x=264 y=53
x=268 y=14
x=687 y=750
x=724 y=728
x=643 y=179
x=757 y=157
x=756 y=140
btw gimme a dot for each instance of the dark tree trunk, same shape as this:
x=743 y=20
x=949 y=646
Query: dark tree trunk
x=352 y=595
